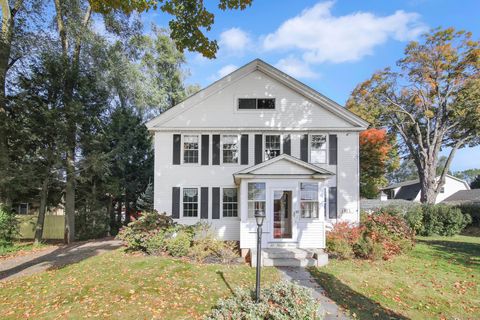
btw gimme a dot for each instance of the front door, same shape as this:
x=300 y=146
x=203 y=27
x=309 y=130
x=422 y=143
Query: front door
x=282 y=214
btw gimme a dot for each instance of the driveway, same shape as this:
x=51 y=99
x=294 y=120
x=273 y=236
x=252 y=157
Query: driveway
x=54 y=257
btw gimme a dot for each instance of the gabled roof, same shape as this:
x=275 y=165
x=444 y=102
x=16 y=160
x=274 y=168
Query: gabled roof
x=272 y=72
x=464 y=196
x=300 y=168
x=417 y=181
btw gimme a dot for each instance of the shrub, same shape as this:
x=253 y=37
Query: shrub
x=414 y=218
x=179 y=243
x=281 y=301
x=137 y=233
x=8 y=227
x=384 y=235
x=442 y=220
x=156 y=243
x=472 y=210
x=341 y=238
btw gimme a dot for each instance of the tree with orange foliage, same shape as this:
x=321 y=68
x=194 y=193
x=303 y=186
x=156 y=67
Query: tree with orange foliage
x=431 y=102
x=377 y=156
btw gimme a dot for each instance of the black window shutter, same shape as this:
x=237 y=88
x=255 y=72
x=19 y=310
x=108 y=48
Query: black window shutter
x=304 y=148
x=215 y=203
x=244 y=149
x=287 y=145
x=175 y=202
x=205 y=148
x=216 y=149
x=204 y=203
x=176 y=148
x=332 y=203
x=332 y=149
x=258 y=149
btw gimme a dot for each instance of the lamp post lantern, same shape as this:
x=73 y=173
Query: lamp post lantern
x=259 y=217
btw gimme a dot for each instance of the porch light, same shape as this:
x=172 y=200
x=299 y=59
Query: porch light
x=259 y=217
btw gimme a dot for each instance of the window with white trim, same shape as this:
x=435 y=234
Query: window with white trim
x=190 y=148
x=230 y=202
x=309 y=200
x=273 y=146
x=256 y=104
x=318 y=148
x=230 y=148
x=256 y=198
x=190 y=202
x=23 y=208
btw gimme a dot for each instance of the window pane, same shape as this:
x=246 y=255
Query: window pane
x=190 y=149
x=272 y=146
x=190 y=202
x=230 y=205
x=309 y=200
x=266 y=104
x=309 y=191
x=256 y=191
x=247 y=103
x=318 y=156
x=230 y=149
x=254 y=206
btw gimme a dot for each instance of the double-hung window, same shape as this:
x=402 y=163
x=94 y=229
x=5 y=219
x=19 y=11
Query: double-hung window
x=309 y=200
x=318 y=148
x=190 y=149
x=272 y=146
x=256 y=198
x=190 y=202
x=230 y=202
x=230 y=149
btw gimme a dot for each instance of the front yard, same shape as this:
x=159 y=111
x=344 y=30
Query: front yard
x=119 y=286
x=439 y=279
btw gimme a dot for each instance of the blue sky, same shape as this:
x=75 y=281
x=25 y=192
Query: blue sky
x=329 y=45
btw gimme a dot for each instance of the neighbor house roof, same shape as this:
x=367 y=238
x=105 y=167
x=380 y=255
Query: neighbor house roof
x=464 y=196
x=417 y=181
x=257 y=64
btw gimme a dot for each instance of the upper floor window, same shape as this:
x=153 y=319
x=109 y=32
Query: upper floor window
x=318 y=148
x=254 y=103
x=309 y=200
x=256 y=198
x=190 y=202
x=272 y=146
x=230 y=149
x=190 y=149
x=230 y=202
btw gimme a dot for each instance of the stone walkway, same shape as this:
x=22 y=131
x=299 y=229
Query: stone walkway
x=54 y=257
x=303 y=278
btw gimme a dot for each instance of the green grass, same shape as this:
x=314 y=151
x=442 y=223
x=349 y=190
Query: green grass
x=20 y=246
x=119 y=286
x=438 y=279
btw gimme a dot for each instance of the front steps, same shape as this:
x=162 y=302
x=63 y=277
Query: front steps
x=290 y=257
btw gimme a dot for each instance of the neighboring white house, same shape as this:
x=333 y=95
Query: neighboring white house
x=410 y=190
x=258 y=139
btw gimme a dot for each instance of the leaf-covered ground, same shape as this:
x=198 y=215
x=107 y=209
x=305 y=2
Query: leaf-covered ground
x=19 y=248
x=119 y=286
x=439 y=279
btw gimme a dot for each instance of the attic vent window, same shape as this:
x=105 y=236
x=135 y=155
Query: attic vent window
x=252 y=104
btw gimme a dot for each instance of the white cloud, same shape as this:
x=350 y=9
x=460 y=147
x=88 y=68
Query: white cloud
x=296 y=68
x=229 y=68
x=234 y=40
x=323 y=37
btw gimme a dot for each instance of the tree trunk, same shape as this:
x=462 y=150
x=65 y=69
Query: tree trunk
x=42 y=211
x=428 y=182
x=70 y=197
x=5 y=49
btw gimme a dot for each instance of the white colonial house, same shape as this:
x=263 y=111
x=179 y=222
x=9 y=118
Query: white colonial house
x=258 y=139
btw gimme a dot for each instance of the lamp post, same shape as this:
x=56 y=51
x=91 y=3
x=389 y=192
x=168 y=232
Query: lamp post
x=259 y=217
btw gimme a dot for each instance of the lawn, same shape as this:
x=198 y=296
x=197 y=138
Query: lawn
x=19 y=248
x=439 y=279
x=119 y=286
